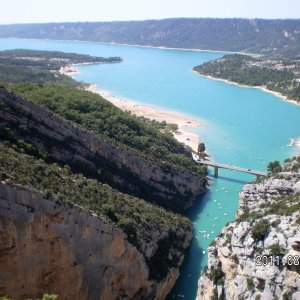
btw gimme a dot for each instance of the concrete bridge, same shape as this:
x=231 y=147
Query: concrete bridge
x=228 y=167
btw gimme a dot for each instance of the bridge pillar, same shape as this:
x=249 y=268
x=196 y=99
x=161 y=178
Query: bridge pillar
x=216 y=172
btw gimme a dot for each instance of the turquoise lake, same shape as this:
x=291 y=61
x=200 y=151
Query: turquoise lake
x=245 y=127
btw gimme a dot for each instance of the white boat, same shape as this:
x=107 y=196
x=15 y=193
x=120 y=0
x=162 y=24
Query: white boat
x=291 y=144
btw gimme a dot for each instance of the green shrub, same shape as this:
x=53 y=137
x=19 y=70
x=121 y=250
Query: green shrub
x=171 y=127
x=201 y=147
x=50 y=297
x=260 y=229
x=276 y=250
x=212 y=243
x=274 y=167
x=128 y=226
x=250 y=284
x=215 y=274
x=214 y=295
x=274 y=224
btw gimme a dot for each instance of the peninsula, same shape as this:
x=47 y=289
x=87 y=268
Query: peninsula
x=280 y=76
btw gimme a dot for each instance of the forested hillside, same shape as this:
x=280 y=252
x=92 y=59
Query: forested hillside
x=130 y=146
x=38 y=66
x=90 y=188
x=278 y=75
x=56 y=92
x=276 y=37
x=141 y=221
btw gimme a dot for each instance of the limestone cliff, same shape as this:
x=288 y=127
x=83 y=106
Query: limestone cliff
x=171 y=187
x=258 y=255
x=47 y=245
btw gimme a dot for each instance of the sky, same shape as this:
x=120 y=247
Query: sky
x=42 y=11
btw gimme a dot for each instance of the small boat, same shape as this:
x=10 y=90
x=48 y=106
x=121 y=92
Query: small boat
x=291 y=144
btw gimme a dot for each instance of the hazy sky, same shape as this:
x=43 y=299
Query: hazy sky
x=31 y=11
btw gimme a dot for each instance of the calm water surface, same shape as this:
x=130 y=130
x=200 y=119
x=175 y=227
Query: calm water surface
x=241 y=126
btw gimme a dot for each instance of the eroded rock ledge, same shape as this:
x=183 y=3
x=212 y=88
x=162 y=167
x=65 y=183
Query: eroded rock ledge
x=268 y=225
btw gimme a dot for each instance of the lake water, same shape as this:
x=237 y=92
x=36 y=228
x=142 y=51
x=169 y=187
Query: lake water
x=241 y=126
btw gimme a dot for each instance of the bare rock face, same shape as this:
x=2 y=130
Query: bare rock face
x=171 y=187
x=49 y=246
x=244 y=265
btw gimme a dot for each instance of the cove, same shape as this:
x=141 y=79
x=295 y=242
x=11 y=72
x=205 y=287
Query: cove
x=245 y=127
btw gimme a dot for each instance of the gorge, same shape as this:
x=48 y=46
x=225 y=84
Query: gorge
x=234 y=137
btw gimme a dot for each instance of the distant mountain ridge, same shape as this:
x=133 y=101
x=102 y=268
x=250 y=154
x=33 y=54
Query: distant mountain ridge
x=271 y=37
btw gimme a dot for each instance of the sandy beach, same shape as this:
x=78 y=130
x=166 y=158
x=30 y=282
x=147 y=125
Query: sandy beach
x=69 y=70
x=183 y=121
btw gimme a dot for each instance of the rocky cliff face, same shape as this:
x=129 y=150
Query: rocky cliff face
x=258 y=255
x=49 y=246
x=169 y=186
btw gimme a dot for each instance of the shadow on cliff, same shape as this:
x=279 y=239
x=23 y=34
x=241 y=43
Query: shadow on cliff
x=191 y=268
x=201 y=215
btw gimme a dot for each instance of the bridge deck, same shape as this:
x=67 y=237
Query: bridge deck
x=222 y=166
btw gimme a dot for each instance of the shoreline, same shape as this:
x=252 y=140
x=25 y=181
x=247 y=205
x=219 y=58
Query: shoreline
x=71 y=70
x=172 y=48
x=183 y=135
x=68 y=70
x=144 y=46
x=277 y=94
x=183 y=121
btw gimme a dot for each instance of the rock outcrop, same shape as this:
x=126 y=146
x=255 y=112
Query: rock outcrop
x=258 y=255
x=47 y=245
x=171 y=187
